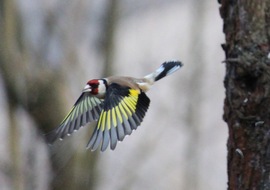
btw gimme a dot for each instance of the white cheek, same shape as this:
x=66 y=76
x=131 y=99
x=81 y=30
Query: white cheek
x=102 y=89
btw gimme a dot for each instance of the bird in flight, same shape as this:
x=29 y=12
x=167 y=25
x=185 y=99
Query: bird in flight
x=117 y=103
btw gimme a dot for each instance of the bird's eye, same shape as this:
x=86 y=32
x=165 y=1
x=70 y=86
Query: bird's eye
x=94 y=85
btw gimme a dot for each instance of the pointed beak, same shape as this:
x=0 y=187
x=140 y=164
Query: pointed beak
x=87 y=88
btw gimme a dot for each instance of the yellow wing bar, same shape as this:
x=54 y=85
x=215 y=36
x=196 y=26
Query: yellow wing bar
x=86 y=109
x=123 y=110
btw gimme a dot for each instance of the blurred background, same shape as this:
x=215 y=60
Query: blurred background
x=49 y=49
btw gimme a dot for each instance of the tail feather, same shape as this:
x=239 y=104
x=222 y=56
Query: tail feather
x=165 y=69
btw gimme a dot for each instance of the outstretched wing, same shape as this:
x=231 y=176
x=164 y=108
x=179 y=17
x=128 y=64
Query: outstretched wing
x=123 y=111
x=86 y=109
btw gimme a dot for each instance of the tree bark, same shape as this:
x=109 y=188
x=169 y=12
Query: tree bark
x=247 y=101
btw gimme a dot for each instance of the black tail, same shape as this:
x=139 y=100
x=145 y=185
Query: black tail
x=167 y=68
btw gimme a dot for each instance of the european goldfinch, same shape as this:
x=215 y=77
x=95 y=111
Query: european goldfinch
x=117 y=103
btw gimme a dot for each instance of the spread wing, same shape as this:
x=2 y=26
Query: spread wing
x=123 y=111
x=86 y=109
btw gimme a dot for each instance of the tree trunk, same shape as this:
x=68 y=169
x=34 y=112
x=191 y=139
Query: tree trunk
x=247 y=83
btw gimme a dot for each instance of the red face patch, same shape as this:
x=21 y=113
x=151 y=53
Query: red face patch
x=93 y=82
x=94 y=86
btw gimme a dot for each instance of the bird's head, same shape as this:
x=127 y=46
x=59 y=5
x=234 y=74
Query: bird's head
x=96 y=87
